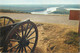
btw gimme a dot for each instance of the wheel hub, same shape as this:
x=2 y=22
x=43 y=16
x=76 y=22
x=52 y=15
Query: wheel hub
x=24 y=42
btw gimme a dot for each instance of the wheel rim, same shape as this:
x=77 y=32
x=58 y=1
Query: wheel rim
x=4 y=21
x=25 y=36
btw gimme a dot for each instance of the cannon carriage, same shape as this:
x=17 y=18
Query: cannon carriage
x=18 y=37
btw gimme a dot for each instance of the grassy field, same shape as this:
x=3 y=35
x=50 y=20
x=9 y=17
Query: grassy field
x=57 y=38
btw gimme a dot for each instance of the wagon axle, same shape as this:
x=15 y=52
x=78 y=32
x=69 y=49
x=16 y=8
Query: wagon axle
x=24 y=42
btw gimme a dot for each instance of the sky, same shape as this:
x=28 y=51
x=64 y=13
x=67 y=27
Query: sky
x=39 y=1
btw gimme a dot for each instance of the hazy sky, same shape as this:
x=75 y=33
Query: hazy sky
x=39 y=1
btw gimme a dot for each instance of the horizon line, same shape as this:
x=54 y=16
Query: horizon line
x=35 y=4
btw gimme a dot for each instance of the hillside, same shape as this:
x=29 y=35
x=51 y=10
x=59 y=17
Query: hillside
x=11 y=11
x=57 y=38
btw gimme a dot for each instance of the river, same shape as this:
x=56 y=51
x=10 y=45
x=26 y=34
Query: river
x=47 y=11
x=52 y=9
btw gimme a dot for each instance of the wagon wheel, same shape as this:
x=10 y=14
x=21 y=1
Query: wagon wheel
x=5 y=21
x=25 y=40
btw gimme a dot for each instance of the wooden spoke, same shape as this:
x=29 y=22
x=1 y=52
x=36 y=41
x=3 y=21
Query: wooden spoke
x=30 y=34
x=29 y=47
x=17 y=48
x=31 y=38
x=25 y=49
x=26 y=29
x=31 y=42
x=4 y=19
x=22 y=50
x=22 y=30
x=29 y=30
x=17 y=34
x=8 y=22
x=13 y=47
x=14 y=40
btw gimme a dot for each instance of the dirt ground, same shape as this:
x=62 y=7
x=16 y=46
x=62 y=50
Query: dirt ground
x=57 y=19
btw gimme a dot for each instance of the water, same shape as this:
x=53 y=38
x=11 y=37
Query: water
x=47 y=11
x=52 y=9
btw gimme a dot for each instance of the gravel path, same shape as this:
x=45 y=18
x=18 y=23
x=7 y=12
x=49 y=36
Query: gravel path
x=57 y=19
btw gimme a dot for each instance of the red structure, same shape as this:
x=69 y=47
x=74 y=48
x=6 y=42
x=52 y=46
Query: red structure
x=75 y=15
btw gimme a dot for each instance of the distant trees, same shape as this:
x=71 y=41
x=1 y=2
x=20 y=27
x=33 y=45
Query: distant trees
x=11 y=11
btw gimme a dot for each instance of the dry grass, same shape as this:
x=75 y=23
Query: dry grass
x=57 y=38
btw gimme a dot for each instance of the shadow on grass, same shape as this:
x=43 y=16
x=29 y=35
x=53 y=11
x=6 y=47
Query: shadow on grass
x=72 y=38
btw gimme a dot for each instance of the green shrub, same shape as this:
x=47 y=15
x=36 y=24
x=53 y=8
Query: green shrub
x=72 y=38
x=11 y=11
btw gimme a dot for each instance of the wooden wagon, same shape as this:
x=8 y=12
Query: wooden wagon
x=17 y=37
